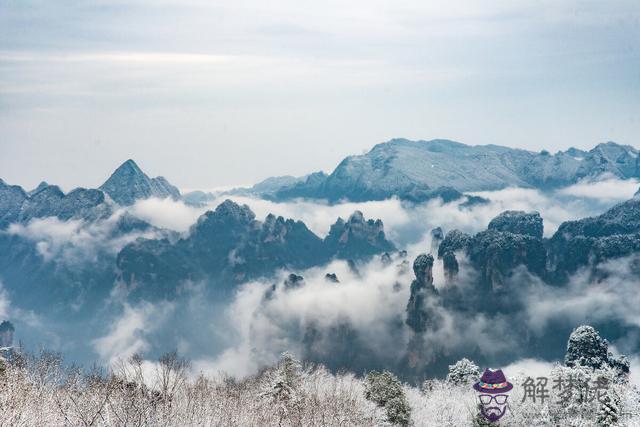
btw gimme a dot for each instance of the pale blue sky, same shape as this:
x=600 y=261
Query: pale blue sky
x=213 y=93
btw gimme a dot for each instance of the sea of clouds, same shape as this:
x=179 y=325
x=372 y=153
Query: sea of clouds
x=251 y=331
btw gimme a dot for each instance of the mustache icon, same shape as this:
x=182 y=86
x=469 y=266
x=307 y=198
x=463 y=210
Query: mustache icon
x=493 y=413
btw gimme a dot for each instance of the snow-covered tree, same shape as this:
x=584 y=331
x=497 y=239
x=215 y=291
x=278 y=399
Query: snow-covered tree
x=284 y=379
x=610 y=410
x=463 y=372
x=398 y=411
x=41 y=390
x=385 y=390
x=621 y=365
x=586 y=348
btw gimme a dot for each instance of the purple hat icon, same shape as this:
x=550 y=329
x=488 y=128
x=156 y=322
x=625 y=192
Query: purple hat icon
x=493 y=382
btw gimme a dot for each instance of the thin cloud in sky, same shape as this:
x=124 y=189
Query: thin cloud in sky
x=195 y=88
x=148 y=57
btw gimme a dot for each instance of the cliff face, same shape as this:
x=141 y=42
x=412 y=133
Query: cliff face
x=493 y=275
x=590 y=241
x=454 y=241
x=518 y=222
x=496 y=254
x=514 y=243
x=421 y=314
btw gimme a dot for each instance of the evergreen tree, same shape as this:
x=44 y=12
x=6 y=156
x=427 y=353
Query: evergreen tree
x=586 y=348
x=282 y=385
x=463 y=372
x=610 y=408
x=385 y=390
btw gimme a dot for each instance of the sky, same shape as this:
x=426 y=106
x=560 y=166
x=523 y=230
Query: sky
x=212 y=94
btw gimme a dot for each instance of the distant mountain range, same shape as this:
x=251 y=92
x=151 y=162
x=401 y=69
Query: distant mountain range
x=421 y=170
x=415 y=171
x=226 y=246
x=230 y=243
x=109 y=254
x=125 y=186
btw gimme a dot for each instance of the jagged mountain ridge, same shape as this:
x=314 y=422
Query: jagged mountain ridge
x=231 y=245
x=49 y=201
x=127 y=184
x=404 y=168
x=226 y=243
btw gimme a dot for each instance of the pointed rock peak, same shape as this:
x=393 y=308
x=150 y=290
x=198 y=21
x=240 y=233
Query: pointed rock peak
x=274 y=227
x=227 y=205
x=130 y=164
x=127 y=173
x=273 y=219
x=386 y=258
x=331 y=278
x=356 y=216
x=422 y=264
x=293 y=281
x=46 y=191
x=437 y=233
x=231 y=209
x=129 y=183
x=40 y=187
x=126 y=170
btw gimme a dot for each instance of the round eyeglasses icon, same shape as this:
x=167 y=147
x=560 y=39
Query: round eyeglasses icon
x=500 y=399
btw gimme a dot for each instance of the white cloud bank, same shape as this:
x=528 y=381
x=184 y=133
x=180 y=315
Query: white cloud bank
x=128 y=335
x=167 y=213
x=368 y=302
x=75 y=240
x=405 y=223
x=608 y=189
